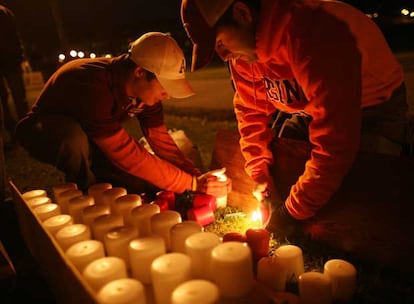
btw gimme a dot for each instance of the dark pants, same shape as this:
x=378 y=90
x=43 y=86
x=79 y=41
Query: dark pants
x=60 y=141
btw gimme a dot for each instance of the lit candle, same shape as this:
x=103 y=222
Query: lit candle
x=37 y=201
x=232 y=269
x=122 y=291
x=104 y=270
x=63 y=199
x=58 y=189
x=142 y=252
x=125 y=203
x=140 y=217
x=203 y=215
x=162 y=222
x=84 y=252
x=343 y=277
x=103 y=223
x=77 y=204
x=292 y=258
x=69 y=235
x=179 y=233
x=117 y=240
x=272 y=273
x=258 y=240
x=221 y=200
x=167 y=272
x=198 y=247
x=96 y=191
x=90 y=213
x=34 y=193
x=45 y=211
x=55 y=223
x=110 y=195
x=314 y=288
x=234 y=237
x=196 y=291
x=168 y=196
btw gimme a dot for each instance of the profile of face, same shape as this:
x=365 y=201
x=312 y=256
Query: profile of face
x=149 y=91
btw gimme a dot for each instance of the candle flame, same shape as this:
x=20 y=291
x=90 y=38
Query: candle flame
x=257 y=218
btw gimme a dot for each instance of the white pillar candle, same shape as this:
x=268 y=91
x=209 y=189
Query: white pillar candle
x=272 y=273
x=198 y=247
x=110 y=195
x=314 y=288
x=292 y=258
x=58 y=189
x=55 y=223
x=104 y=270
x=63 y=198
x=103 y=223
x=122 y=291
x=162 y=222
x=125 y=203
x=167 y=272
x=140 y=217
x=96 y=191
x=77 y=204
x=196 y=291
x=45 y=211
x=37 y=201
x=221 y=200
x=142 y=252
x=90 y=213
x=343 y=276
x=34 y=193
x=232 y=269
x=179 y=233
x=117 y=240
x=84 y=252
x=69 y=235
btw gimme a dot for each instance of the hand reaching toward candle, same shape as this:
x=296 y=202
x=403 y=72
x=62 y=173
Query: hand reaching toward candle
x=282 y=224
x=214 y=182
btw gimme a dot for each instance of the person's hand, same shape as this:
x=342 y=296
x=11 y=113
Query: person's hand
x=214 y=182
x=264 y=188
x=282 y=224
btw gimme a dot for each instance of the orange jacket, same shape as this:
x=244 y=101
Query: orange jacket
x=324 y=59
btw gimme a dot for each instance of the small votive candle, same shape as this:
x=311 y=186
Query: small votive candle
x=117 y=240
x=55 y=223
x=69 y=235
x=198 y=247
x=258 y=240
x=84 y=252
x=272 y=273
x=37 y=201
x=203 y=215
x=77 y=204
x=196 y=291
x=167 y=272
x=45 y=211
x=168 y=196
x=104 y=270
x=125 y=203
x=34 y=193
x=162 y=222
x=122 y=291
x=90 y=213
x=142 y=252
x=140 y=217
x=314 y=288
x=63 y=199
x=162 y=204
x=110 y=195
x=103 y=223
x=179 y=233
x=96 y=191
x=292 y=258
x=234 y=237
x=343 y=276
x=58 y=189
x=232 y=260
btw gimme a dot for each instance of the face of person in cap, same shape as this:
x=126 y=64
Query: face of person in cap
x=224 y=26
x=157 y=54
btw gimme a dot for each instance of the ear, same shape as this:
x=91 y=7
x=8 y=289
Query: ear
x=139 y=72
x=242 y=13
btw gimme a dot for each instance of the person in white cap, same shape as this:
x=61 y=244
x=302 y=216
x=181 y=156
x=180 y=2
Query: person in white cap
x=322 y=63
x=76 y=124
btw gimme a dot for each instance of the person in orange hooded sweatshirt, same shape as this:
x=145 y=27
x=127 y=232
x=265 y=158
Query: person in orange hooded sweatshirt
x=326 y=65
x=76 y=124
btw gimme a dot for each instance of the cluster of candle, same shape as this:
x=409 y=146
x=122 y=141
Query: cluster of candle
x=128 y=251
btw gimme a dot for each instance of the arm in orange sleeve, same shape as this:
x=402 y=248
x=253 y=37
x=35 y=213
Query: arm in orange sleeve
x=130 y=156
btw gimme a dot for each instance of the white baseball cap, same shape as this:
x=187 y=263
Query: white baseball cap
x=160 y=54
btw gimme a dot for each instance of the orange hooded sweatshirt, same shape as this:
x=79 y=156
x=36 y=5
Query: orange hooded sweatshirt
x=324 y=59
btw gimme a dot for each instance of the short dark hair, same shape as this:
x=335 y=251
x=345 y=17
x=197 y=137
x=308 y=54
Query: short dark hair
x=131 y=65
x=149 y=75
x=227 y=17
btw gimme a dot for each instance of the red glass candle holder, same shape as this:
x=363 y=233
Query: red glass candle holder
x=203 y=215
x=168 y=196
x=234 y=237
x=258 y=240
